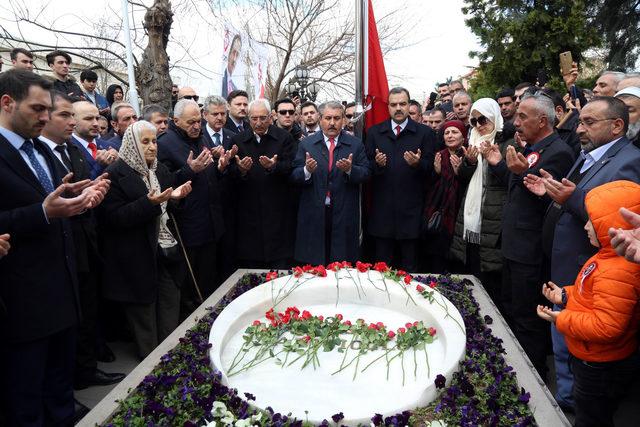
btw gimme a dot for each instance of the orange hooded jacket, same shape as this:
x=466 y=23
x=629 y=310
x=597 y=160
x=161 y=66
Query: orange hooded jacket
x=600 y=322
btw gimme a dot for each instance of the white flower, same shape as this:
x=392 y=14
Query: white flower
x=211 y=424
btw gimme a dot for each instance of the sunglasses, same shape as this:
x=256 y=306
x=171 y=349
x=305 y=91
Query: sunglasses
x=285 y=112
x=480 y=121
x=349 y=116
x=194 y=97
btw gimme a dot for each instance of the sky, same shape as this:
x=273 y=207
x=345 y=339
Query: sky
x=438 y=47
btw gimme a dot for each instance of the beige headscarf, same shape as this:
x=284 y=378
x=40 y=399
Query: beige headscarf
x=475 y=191
x=132 y=153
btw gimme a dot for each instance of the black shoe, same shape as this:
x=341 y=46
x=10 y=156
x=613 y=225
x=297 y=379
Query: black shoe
x=105 y=354
x=99 y=377
x=79 y=411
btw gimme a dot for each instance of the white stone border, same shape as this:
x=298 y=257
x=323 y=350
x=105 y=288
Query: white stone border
x=544 y=407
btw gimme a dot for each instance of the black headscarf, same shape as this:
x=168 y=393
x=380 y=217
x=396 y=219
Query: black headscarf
x=110 y=92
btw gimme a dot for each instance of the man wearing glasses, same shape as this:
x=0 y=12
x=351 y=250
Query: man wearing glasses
x=265 y=206
x=607 y=155
x=284 y=114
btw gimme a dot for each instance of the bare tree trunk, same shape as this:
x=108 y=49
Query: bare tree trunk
x=153 y=76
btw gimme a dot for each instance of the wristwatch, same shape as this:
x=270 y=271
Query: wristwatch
x=564 y=298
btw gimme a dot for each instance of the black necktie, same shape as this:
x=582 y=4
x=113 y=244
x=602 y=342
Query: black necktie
x=65 y=158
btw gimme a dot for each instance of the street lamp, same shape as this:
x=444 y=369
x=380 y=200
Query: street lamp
x=299 y=85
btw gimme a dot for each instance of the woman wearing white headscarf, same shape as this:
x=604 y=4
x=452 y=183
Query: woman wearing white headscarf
x=143 y=262
x=476 y=241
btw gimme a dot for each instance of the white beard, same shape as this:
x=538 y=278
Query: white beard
x=633 y=130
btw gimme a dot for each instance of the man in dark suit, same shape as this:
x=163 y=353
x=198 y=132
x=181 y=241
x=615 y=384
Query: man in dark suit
x=39 y=285
x=200 y=225
x=218 y=139
x=310 y=118
x=55 y=135
x=85 y=138
x=265 y=220
x=401 y=154
x=524 y=266
x=238 y=101
x=330 y=166
x=607 y=155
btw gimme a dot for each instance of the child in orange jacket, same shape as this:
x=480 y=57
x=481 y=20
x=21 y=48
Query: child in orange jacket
x=602 y=311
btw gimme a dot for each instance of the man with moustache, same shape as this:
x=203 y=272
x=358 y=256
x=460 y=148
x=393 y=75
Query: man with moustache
x=330 y=167
x=265 y=212
x=39 y=283
x=607 y=155
x=401 y=154
x=238 y=101
x=524 y=267
x=56 y=134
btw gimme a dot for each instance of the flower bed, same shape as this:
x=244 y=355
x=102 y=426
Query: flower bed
x=184 y=390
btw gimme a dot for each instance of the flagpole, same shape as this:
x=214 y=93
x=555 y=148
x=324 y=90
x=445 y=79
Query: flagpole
x=361 y=52
x=133 y=90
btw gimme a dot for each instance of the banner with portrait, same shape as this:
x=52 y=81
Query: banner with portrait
x=244 y=64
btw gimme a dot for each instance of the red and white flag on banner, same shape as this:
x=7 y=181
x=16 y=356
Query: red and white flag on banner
x=376 y=86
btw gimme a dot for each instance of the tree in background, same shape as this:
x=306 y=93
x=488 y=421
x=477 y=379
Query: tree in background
x=523 y=38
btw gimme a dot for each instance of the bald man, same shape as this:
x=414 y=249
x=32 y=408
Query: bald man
x=85 y=136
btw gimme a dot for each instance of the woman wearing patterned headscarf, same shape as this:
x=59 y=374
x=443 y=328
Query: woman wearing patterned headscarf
x=476 y=241
x=143 y=262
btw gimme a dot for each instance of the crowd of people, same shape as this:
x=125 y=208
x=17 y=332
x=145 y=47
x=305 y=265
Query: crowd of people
x=112 y=223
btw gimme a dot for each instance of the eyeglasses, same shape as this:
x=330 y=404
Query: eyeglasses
x=194 y=97
x=286 y=112
x=481 y=121
x=590 y=122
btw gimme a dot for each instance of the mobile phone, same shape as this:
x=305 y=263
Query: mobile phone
x=432 y=97
x=566 y=62
x=573 y=92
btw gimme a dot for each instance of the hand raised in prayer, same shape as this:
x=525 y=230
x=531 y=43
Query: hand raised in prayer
x=516 y=162
x=57 y=206
x=157 y=198
x=201 y=162
x=552 y=292
x=412 y=159
x=310 y=163
x=226 y=157
x=182 y=191
x=471 y=154
x=626 y=243
x=381 y=158
x=345 y=164
x=4 y=245
x=244 y=164
x=268 y=163
x=491 y=153
x=558 y=191
x=535 y=184
x=455 y=163
x=545 y=313
x=437 y=163
x=217 y=152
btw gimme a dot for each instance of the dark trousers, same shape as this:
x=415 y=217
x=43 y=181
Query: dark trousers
x=152 y=323
x=277 y=264
x=86 y=345
x=328 y=228
x=491 y=280
x=37 y=380
x=522 y=292
x=406 y=248
x=598 y=388
x=203 y=261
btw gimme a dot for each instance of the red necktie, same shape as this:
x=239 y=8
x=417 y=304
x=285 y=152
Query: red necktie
x=332 y=146
x=398 y=129
x=94 y=149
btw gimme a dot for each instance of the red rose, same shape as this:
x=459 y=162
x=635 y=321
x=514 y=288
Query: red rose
x=416 y=323
x=391 y=334
x=401 y=330
x=433 y=284
x=339 y=316
x=321 y=318
x=432 y=331
x=306 y=315
x=380 y=325
x=419 y=288
x=407 y=279
x=373 y=326
x=347 y=322
x=257 y=323
x=408 y=325
x=382 y=267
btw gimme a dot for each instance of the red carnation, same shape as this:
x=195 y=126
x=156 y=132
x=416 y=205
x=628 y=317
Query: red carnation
x=407 y=279
x=271 y=275
x=321 y=318
x=401 y=273
x=419 y=288
x=339 y=316
x=432 y=331
x=334 y=266
x=346 y=264
x=373 y=326
x=391 y=334
x=306 y=315
x=257 y=323
x=382 y=267
x=433 y=284
x=380 y=325
x=401 y=330
x=298 y=271
x=408 y=325
x=306 y=338
x=307 y=268
x=321 y=271
x=363 y=267
x=269 y=314
x=347 y=322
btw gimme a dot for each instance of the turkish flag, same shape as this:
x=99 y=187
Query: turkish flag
x=376 y=88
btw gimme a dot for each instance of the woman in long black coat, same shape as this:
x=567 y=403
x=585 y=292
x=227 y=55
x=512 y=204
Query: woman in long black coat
x=143 y=261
